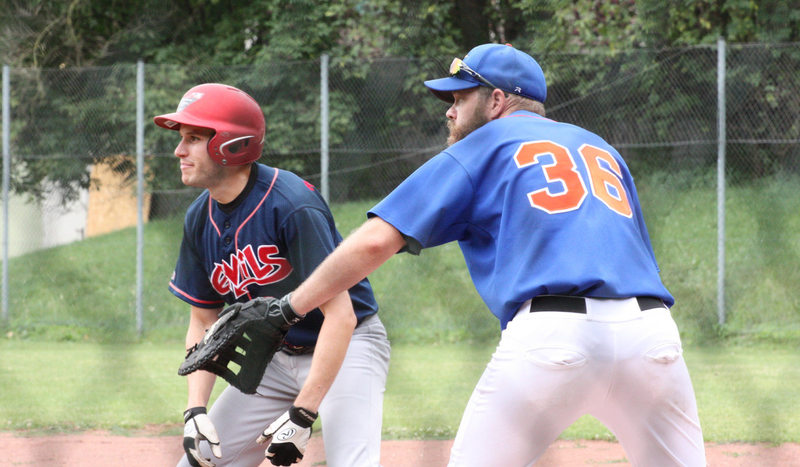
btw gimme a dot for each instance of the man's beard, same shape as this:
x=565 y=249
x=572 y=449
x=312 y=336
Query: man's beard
x=457 y=133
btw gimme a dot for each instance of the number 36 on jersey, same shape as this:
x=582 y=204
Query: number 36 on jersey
x=605 y=177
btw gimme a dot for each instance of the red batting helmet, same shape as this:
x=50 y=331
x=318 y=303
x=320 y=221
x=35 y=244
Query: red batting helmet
x=235 y=117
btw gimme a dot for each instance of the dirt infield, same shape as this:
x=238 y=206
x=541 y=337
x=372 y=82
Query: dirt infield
x=95 y=449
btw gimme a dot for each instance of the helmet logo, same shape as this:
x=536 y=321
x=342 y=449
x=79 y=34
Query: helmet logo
x=188 y=99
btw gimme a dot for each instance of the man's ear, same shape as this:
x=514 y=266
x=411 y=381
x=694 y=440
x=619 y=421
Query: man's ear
x=498 y=104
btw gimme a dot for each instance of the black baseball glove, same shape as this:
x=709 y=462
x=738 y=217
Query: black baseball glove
x=246 y=334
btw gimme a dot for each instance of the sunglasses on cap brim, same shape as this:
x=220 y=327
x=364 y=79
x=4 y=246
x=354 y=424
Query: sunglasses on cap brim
x=459 y=65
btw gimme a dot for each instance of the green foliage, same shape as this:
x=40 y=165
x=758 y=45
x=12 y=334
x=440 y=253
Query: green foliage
x=375 y=102
x=592 y=24
x=93 y=32
x=49 y=34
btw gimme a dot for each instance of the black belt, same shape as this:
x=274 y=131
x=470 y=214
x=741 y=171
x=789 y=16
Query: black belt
x=578 y=304
x=295 y=350
x=292 y=349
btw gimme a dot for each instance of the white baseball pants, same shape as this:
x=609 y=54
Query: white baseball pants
x=617 y=363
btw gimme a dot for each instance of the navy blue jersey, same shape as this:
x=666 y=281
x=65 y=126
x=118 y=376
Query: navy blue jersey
x=538 y=207
x=264 y=246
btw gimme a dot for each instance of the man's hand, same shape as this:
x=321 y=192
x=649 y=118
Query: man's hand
x=288 y=436
x=198 y=427
x=241 y=343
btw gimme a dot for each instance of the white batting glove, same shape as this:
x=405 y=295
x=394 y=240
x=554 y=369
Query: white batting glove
x=288 y=436
x=198 y=427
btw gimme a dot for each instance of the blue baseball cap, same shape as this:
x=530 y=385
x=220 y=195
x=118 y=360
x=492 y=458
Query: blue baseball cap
x=503 y=66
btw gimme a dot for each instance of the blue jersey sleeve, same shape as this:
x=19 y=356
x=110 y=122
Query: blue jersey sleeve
x=439 y=216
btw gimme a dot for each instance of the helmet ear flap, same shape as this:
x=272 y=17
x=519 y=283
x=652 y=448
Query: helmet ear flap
x=232 y=150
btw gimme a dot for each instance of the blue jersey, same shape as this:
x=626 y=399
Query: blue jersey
x=538 y=207
x=263 y=244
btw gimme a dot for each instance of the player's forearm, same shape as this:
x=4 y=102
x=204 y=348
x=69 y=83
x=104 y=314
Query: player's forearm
x=199 y=383
x=332 y=342
x=354 y=259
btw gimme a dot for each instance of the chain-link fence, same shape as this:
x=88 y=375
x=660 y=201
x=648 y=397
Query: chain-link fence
x=70 y=142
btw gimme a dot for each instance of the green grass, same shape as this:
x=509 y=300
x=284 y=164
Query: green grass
x=86 y=290
x=427 y=298
x=71 y=359
x=428 y=388
x=744 y=393
x=748 y=393
x=762 y=255
x=73 y=385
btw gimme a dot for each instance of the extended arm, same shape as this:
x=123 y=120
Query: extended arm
x=355 y=258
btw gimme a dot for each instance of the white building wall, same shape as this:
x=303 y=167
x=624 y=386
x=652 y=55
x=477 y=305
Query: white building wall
x=33 y=226
x=63 y=224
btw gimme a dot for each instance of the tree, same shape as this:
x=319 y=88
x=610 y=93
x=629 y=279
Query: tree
x=54 y=44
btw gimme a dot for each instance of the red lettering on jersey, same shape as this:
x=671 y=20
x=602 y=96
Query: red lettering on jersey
x=247 y=267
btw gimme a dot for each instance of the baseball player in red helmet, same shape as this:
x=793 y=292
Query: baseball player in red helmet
x=548 y=219
x=258 y=231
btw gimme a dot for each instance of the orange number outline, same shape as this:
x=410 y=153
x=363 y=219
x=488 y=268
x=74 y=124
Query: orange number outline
x=606 y=178
x=563 y=170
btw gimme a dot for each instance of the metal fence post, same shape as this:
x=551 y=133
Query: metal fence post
x=139 y=193
x=323 y=116
x=6 y=180
x=721 y=140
